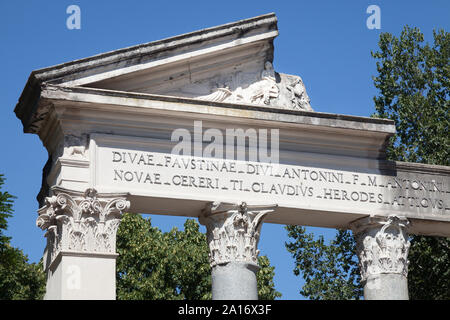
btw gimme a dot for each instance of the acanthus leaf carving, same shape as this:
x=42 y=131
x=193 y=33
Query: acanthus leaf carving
x=233 y=231
x=80 y=222
x=382 y=246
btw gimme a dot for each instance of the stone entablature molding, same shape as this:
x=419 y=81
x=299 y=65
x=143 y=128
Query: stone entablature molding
x=233 y=231
x=333 y=167
x=382 y=245
x=107 y=123
x=80 y=222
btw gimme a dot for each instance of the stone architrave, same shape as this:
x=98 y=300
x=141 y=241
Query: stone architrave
x=81 y=243
x=233 y=232
x=108 y=123
x=382 y=247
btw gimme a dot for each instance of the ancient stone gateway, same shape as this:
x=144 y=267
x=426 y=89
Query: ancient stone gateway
x=200 y=125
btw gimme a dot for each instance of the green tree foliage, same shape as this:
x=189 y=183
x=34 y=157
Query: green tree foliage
x=414 y=85
x=414 y=90
x=6 y=211
x=330 y=270
x=429 y=268
x=264 y=277
x=413 y=80
x=18 y=278
x=171 y=265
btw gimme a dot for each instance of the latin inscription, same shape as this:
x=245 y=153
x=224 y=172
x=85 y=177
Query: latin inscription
x=287 y=181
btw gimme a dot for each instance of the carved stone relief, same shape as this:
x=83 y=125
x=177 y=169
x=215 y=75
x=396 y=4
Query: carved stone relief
x=382 y=246
x=264 y=88
x=75 y=146
x=233 y=231
x=86 y=223
x=299 y=98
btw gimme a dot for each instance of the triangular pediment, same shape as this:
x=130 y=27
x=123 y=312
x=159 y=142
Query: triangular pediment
x=228 y=63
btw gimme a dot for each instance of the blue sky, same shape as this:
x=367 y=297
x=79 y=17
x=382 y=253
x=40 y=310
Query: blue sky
x=327 y=43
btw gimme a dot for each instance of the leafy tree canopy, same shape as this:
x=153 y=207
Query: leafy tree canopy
x=170 y=265
x=414 y=85
x=18 y=278
x=414 y=89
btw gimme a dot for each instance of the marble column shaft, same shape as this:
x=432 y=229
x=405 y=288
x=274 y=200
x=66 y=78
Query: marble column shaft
x=233 y=233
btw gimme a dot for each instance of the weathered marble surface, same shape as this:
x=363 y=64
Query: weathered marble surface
x=233 y=232
x=265 y=87
x=107 y=123
x=382 y=247
x=80 y=255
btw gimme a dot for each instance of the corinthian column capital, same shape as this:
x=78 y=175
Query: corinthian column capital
x=233 y=231
x=80 y=222
x=382 y=245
